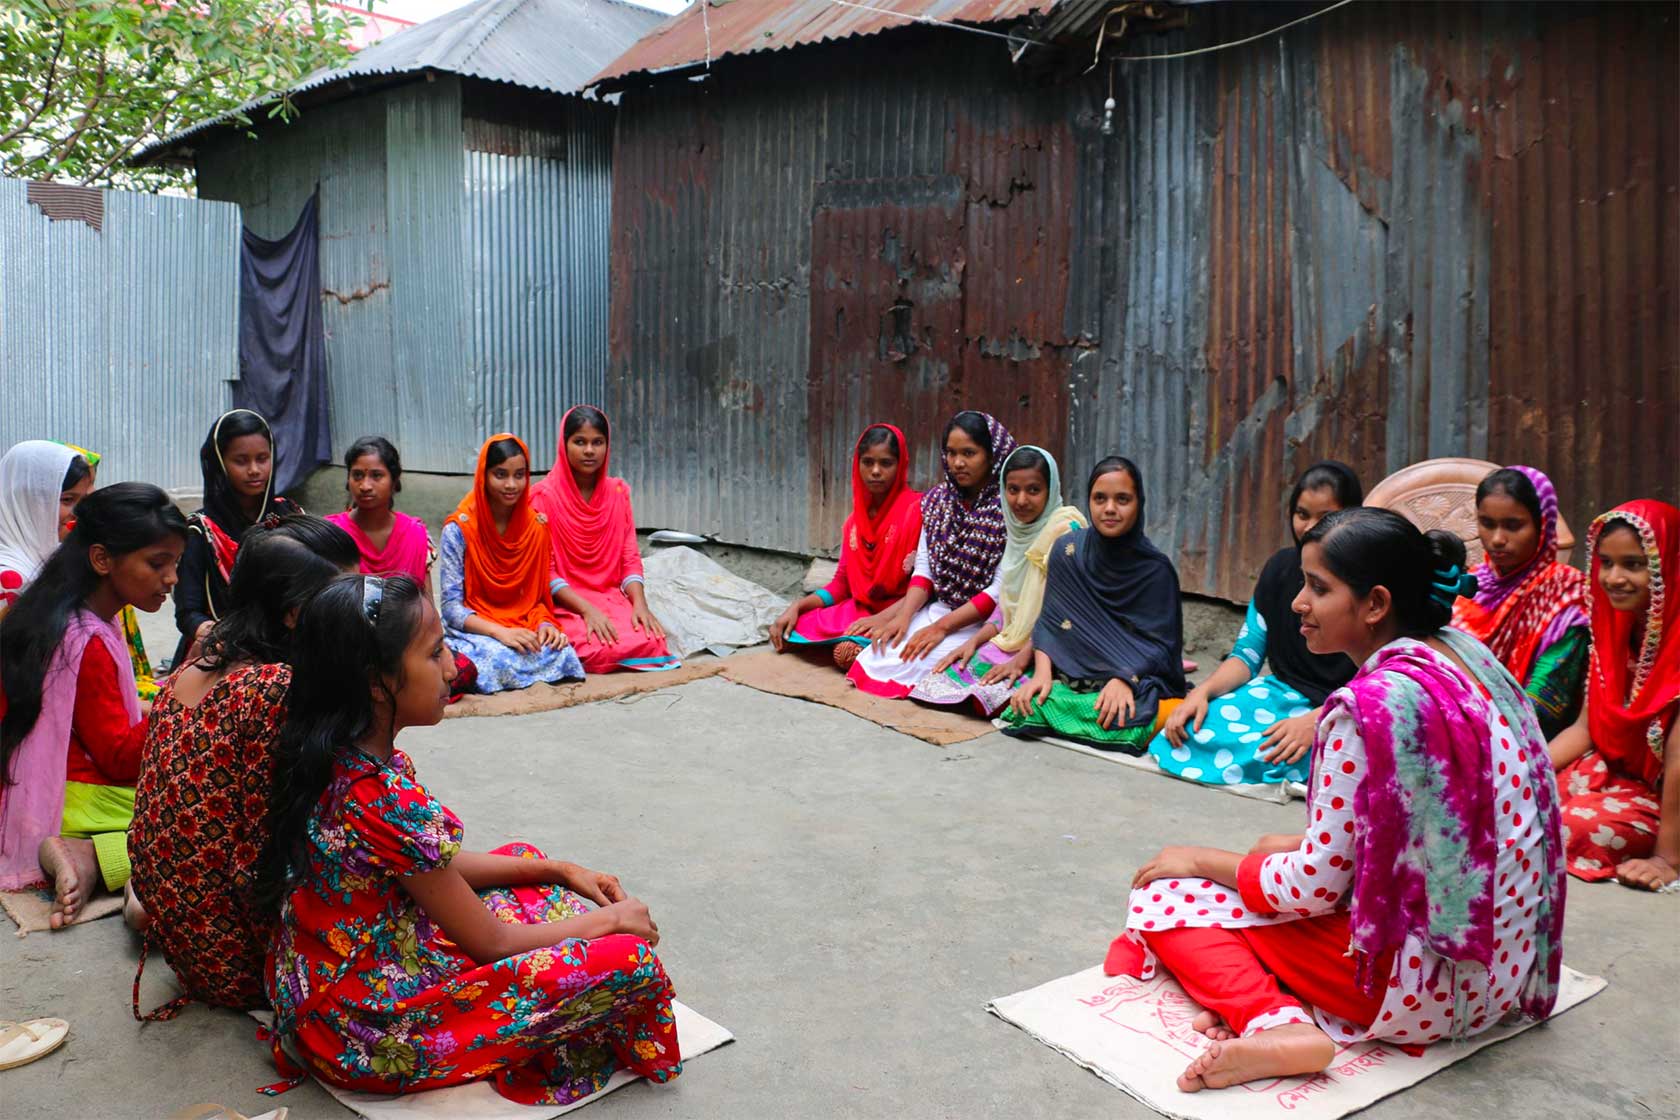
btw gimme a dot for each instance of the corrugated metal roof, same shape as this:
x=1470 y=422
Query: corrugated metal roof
x=714 y=29
x=552 y=45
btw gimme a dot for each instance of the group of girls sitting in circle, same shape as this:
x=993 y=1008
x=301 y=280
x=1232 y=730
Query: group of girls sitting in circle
x=1067 y=623
x=278 y=848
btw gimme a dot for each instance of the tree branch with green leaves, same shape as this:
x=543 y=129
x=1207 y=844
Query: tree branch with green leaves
x=87 y=84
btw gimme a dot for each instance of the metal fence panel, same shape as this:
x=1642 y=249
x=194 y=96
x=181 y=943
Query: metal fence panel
x=124 y=339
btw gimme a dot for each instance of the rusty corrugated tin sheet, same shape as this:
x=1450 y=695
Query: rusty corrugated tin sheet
x=710 y=30
x=752 y=219
x=1393 y=233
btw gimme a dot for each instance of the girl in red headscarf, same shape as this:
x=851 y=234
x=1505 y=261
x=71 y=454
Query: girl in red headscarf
x=1619 y=764
x=876 y=541
x=593 y=531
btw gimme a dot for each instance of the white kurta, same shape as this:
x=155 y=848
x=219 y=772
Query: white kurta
x=890 y=673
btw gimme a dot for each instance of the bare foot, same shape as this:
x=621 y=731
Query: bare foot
x=1213 y=1026
x=134 y=912
x=74 y=871
x=1285 y=1051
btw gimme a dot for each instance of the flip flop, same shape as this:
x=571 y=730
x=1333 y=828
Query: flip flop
x=22 y=1043
x=223 y=1112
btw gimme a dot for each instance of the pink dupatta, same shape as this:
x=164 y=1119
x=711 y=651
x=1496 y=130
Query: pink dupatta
x=594 y=541
x=406 y=553
x=32 y=806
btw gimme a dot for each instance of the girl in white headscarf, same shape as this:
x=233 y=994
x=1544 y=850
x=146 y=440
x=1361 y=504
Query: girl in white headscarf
x=40 y=484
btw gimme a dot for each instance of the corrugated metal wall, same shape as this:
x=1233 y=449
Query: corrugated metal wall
x=342 y=149
x=124 y=339
x=539 y=199
x=463 y=258
x=911 y=218
x=1393 y=233
x=430 y=316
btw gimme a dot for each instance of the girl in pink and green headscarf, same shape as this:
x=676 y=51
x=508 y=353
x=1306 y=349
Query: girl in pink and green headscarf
x=1529 y=608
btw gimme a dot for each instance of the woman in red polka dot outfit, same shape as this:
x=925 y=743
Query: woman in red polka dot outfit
x=1425 y=899
x=1619 y=765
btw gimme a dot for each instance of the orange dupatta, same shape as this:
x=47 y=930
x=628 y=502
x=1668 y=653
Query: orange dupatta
x=505 y=576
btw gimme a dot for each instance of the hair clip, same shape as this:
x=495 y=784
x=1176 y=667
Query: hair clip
x=373 y=594
x=1452 y=583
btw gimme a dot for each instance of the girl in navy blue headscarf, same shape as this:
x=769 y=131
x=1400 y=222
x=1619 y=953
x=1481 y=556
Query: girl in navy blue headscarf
x=1108 y=647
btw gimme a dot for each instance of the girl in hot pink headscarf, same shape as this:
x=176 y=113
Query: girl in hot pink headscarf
x=602 y=606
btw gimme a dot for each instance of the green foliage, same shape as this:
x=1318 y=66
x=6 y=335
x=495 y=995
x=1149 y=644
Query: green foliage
x=85 y=84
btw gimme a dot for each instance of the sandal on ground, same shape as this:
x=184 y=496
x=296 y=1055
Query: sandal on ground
x=223 y=1112
x=22 y=1043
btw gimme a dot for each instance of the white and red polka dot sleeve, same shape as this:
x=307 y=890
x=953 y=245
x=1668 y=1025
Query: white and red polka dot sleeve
x=1316 y=877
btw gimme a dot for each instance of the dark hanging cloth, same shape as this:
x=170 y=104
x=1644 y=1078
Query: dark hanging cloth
x=282 y=352
x=1112 y=609
x=1313 y=675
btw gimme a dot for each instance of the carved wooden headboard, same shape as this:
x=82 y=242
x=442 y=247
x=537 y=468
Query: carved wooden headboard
x=1441 y=494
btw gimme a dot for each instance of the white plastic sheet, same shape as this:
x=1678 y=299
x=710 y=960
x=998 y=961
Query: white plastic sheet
x=704 y=606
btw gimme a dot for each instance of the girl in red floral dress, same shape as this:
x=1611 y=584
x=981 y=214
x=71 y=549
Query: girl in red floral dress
x=201 y=805
x=402 y=962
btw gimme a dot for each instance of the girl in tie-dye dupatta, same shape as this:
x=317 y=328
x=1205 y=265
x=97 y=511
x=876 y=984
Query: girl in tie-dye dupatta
x=1426 y=859
x=1424 y=899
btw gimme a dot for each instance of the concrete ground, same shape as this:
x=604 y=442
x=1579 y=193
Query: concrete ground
x=845 y=899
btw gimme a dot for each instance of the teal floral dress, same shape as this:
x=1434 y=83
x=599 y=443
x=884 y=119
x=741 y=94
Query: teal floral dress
x=375 y=997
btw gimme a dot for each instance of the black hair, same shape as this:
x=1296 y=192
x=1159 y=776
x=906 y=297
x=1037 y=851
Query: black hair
x=1513 y=484
x=1332 y=475
x=1118 y=463
x=1368 y=547
x=1449 y=549
x=384 y=450
x=501 y=451
x=875 y=436
x=974 y=426
x=585 y=416
x=330 y=708
x=123 y=518
x=77 y=471
x=277 y=572
x=1027 y=459
x=220 y=501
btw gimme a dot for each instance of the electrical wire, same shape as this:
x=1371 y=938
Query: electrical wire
x=1117 y=58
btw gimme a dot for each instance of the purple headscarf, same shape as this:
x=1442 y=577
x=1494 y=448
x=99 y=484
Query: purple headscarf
x=1494 y=587
x=965 y=542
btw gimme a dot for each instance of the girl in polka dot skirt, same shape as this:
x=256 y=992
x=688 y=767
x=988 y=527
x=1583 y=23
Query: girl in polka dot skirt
x=1424 y=900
